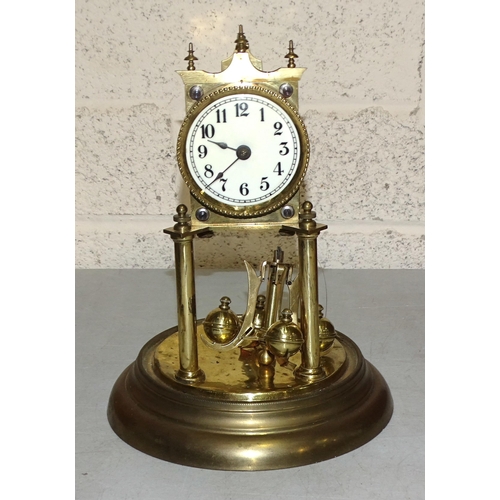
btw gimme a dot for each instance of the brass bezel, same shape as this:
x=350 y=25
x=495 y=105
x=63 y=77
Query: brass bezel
x=267 y=206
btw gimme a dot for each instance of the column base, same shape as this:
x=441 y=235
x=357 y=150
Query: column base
x=310 y=375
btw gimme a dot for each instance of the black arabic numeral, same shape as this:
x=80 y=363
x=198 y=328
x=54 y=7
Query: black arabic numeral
x=202 y=150
x=241 y=109
x=284 y=150
x=209 y=173
x=278 y=168
x=221 y=114
x=207 y=131
x=223 y=184
x=244 y=189
x=277 y=127
x=264 y=185
x=261 y=114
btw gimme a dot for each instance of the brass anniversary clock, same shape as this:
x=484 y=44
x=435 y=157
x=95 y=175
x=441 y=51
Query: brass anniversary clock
x=276 y=385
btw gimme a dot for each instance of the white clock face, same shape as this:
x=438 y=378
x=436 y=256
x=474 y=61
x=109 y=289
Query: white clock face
x=242 y=150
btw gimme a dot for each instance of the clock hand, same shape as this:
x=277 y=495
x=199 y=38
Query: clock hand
x=222 y=145
x=242 y=153
x=220 y=174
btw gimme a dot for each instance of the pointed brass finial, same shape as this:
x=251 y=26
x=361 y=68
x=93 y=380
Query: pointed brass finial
x=242 y=44
x=291 y=55
x=191 y=58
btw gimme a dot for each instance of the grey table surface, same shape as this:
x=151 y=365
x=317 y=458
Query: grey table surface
x=118 y=311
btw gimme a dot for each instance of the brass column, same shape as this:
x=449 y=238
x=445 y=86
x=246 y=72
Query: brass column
x=182 y=235
x=307 y=232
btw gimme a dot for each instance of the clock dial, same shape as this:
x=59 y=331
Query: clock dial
x=244 y=152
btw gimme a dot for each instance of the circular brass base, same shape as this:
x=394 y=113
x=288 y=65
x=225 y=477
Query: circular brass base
x=245 y=416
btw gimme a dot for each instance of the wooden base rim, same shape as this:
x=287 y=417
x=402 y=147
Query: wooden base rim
x=179 y=424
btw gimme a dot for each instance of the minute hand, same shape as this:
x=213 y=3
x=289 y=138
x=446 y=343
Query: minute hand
x=220 y=174
x=242 y=153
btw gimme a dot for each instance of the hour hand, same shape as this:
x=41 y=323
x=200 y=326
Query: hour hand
x=222 y=145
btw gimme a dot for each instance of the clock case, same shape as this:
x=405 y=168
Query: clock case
x=287 y=389
x=243 y=69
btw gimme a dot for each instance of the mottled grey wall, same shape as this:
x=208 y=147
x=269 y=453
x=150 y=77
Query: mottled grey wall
x=361 y=98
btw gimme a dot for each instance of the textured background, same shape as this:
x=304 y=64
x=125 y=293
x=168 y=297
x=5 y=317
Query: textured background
x=361 y=99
